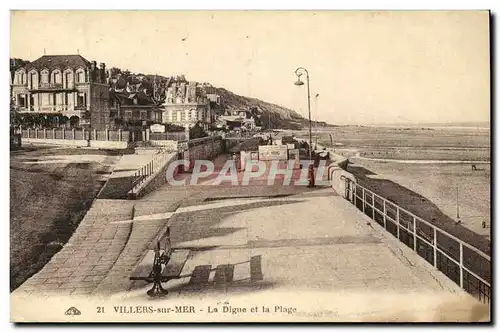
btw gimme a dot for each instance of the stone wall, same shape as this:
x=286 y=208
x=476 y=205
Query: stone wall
x=205 y=148
x=63 y=142
x=167 y=144
x=109 y=144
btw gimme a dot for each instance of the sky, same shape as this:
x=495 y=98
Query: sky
x=367 y=67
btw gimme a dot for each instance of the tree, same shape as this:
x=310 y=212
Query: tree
x=115 y=71
x=169 y=127
x=197 y=131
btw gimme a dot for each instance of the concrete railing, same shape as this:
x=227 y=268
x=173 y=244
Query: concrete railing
x=467 y=266
x=152 y=175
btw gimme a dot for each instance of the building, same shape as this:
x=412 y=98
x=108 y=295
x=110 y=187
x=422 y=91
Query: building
x=133 y=109
x=64 y=85
x=186 y=105
x=233 y=119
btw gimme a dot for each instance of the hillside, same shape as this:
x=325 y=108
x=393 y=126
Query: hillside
x=270 y=115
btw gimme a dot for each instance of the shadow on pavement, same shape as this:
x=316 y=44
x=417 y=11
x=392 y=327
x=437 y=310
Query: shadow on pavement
x=197 y=225
x=117 y=188
x=223 y=279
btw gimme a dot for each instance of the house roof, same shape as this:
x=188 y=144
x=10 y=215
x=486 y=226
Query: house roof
x=126 y=98
x=58 y=61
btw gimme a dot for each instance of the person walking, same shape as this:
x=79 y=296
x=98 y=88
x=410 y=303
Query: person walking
x=311 y=177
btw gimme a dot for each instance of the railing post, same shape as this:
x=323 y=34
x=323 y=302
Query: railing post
x=461 y=266
x=435 y=247
x=28 y=133
x=63 y=134
x=53 y=133
x=95 y=134
x=36 y=133
x=83 y=134
x=354 y=191
x=385 y=213
x=107 y=134
x=373 y=206
x=397 y=219
x=363 y=198
x=44 y=133
x=120 y=134
x=414 y=233
x=73 y=131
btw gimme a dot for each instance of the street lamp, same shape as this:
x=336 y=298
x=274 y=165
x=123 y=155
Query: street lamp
x=299 y=83
x=316 y=121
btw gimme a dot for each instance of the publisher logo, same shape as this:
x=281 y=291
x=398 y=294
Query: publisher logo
x=72 y=312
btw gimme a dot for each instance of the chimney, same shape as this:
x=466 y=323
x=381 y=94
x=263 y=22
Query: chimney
x=93 y=71
x=102 y=72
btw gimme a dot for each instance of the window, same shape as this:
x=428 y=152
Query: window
x=33 y=80
x=57 y=77
x=45 y=76
x=144 y=115
x=21 y=100
x=80 y=76
x=174 y=115
x=183 y=116
x=80 y=101
x=69 y=79
x=128 y=115
x=20 y=79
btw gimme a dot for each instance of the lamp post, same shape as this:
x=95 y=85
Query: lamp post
x=299 y=83
x=316 y=117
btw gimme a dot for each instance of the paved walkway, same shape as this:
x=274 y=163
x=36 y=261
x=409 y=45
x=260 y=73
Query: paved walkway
x=88 y=256
x=306 y=254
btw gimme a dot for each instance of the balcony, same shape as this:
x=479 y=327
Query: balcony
x=49 y=108
x=80 y=107
x=80 y=111
x=50 y=87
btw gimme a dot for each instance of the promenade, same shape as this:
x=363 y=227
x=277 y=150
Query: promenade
x=317 y=257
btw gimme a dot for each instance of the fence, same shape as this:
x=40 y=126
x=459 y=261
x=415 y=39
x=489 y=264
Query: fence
x=77 y=134
x=466 y=265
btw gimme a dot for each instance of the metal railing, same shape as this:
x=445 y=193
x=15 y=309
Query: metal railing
x=145 y=172
x=467 y=266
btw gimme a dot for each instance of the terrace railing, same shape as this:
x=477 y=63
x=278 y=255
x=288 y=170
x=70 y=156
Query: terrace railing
x=145 y=172
x=467 y=266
